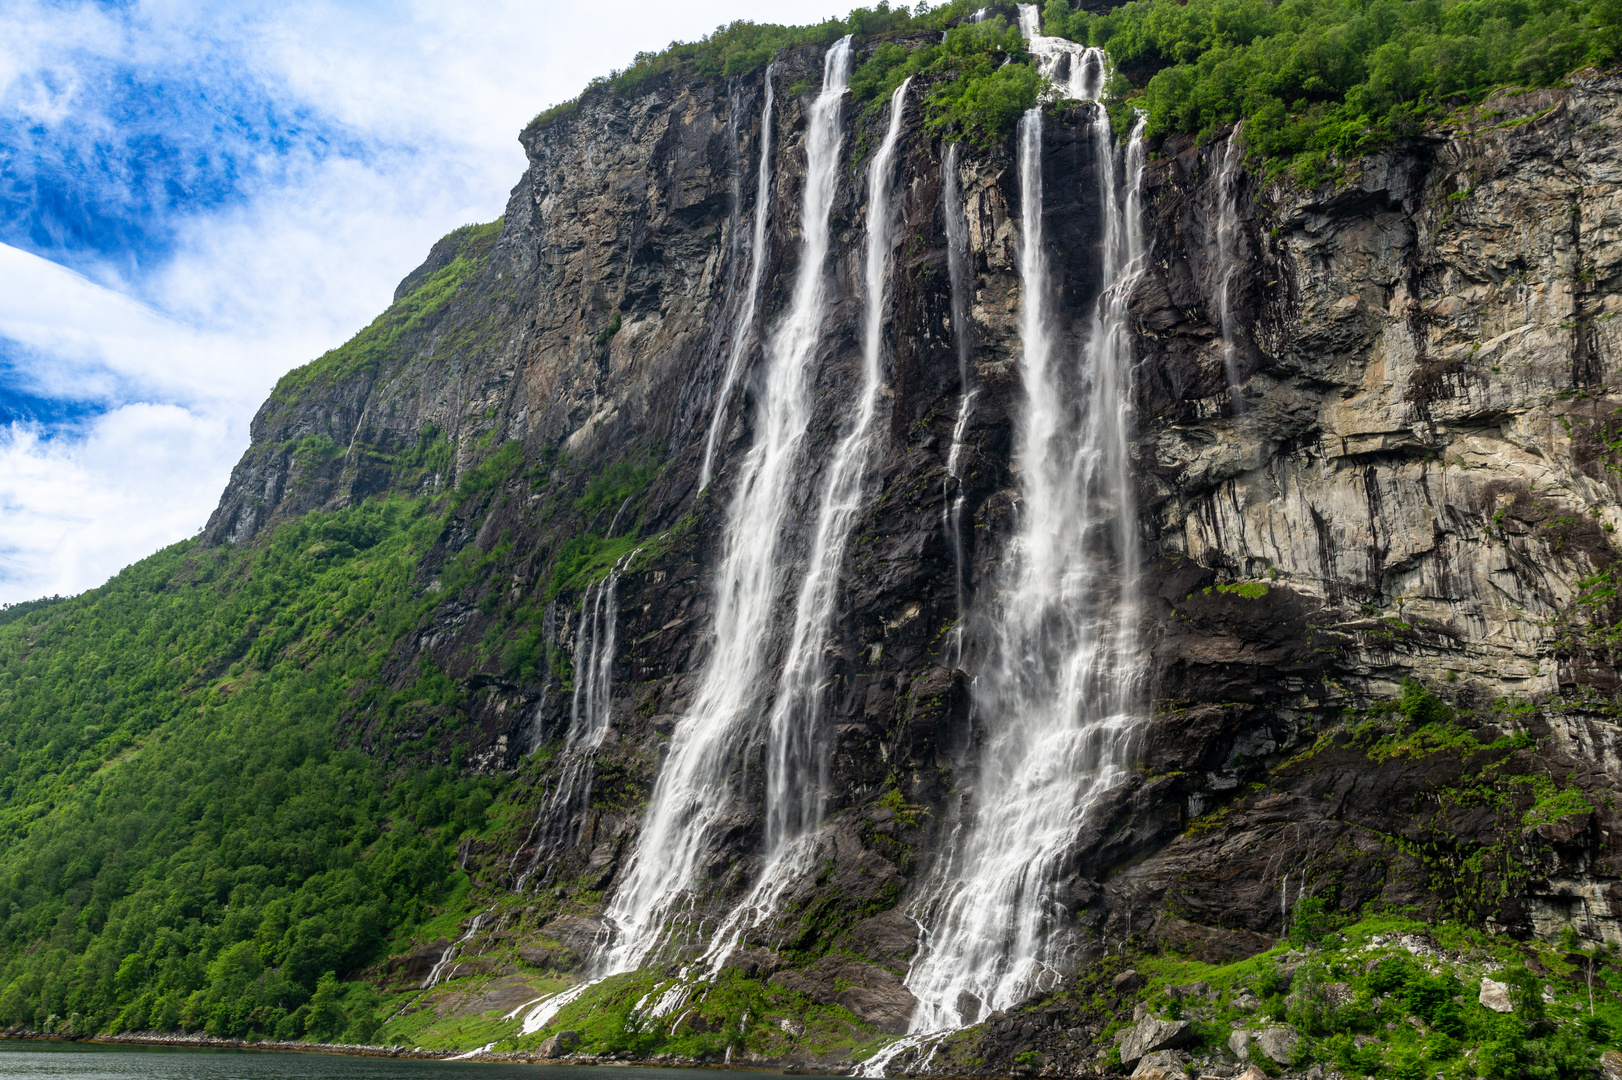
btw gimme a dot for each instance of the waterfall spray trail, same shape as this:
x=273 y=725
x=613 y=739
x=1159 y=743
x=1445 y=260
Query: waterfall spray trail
x=958 y=271
x=797 y=755
x=562 y=813
x=1077 y=71
x=743 y=332
x=438 y=970
x=1228 y=259
x=693 y=790
x=1059 y=684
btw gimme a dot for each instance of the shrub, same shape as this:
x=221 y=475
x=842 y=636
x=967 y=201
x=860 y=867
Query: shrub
x=1318 y=79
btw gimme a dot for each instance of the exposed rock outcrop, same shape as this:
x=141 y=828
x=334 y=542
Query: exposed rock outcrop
x=1421 y=480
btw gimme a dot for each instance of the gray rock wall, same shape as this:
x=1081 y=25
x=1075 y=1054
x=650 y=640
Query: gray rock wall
x=1419 y=481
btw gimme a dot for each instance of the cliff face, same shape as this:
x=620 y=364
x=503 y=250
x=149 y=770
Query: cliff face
x=1417 y=479
x=1422 y=474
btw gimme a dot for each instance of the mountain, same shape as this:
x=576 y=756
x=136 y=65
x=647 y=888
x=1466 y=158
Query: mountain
x=862 y=565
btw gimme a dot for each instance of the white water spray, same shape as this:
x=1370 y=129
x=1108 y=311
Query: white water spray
x=796 y=765
x=1077 y=71
x=439 y=970
x=743 y=332
x=694 y=791
x=958 y=270
x=1060 y=684
x=1228 y=259
x=563 y=812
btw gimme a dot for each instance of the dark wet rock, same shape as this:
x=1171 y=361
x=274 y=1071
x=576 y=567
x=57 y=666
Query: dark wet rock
x=1151 y=1034
x=871 y=992
x=888 y=940
x=1422 y=470
x=1212 y=944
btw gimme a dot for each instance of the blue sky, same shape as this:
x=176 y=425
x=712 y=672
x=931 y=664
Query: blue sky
x=196 y=198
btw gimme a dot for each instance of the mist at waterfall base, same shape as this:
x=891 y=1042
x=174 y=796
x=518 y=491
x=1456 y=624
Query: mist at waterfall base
x=1051 y=637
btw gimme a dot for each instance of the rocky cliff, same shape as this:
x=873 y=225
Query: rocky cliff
x=1416 y=479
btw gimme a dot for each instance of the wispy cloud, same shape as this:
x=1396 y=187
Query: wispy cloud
x=194 y=200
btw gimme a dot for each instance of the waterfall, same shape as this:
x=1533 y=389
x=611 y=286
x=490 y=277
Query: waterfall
x=563 y=810
x=795 y=768
x=449 y=954
x=1228 y=258
x=744 y=331
x=589 y=711
x=958 y=271
x=796 y=765
x=1077 y=71
x=693 y=792
x=1058 y=687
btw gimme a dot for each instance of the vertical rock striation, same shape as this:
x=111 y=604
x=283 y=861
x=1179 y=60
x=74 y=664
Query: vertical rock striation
x=1422 y=483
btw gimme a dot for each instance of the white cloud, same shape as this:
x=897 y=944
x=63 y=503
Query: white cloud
x=430 y=96
x=78 y=509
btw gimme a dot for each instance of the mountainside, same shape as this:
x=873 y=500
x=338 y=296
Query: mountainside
x=810 y=575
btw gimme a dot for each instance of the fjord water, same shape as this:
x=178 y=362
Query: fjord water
x=694 y=790
x=1058 y=664
x=42 y=1060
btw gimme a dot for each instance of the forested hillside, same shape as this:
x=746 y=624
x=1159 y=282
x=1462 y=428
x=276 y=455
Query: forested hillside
x=1324 y=295
x=188 y=842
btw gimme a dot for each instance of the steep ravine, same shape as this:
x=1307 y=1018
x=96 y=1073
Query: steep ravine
x=1419 y=481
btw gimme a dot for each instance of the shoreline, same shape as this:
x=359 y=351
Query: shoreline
x=518 y=1057
x=210 y=1042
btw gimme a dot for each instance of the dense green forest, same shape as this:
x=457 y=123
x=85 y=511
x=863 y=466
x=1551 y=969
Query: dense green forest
x=185 y=842
x=1315 y=80
x=190 y=839
x=979 y=78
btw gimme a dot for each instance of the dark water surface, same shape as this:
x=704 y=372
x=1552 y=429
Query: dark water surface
x=33 y=1060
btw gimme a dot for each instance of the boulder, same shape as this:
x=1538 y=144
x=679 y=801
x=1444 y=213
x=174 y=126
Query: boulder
x=1239 y=1044
x=1252 y=1073
x=1128 y=981
x=1151 y=1034
x=1495 y=996
x=1277 y=1043
x=559 y=1044
x=1610 y=1065
x=1160 y=1065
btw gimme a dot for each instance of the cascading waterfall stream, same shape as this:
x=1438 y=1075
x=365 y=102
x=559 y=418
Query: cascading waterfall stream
x=1077 y=71
x=958 y=271
x=1059 y=683
x=562 y=814
x=1228 y=259
x=693 y=791
x=743 y=332
x=797 y=759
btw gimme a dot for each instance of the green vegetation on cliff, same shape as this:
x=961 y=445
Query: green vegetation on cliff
x=185 y=841
x=1313 y=79
x=1391 y=997
x=362 y=353
x=979 y=79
